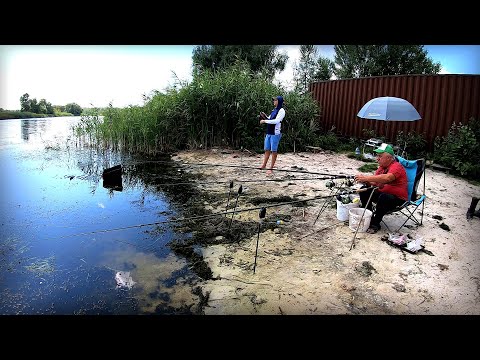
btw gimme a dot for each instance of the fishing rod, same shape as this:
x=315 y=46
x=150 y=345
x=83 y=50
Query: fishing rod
x=241 y=167
x=200 y=217
x=352 y=245
x=247 y=181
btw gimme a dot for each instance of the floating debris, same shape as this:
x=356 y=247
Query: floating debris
x=42 y=266
x=124 y=279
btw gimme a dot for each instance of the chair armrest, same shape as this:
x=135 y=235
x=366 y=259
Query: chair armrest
x=419 y=200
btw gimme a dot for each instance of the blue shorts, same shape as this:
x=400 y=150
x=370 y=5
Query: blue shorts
x=271 y=142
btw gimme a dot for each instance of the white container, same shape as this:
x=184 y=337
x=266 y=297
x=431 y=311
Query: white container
x=342 y=210
x=354 y=219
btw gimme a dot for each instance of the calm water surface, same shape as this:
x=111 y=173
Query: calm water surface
x=56 y=256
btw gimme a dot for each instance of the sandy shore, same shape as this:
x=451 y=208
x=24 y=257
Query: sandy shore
x=307 y=268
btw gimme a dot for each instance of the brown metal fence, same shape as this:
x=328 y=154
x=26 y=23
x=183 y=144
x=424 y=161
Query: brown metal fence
x=440 y=100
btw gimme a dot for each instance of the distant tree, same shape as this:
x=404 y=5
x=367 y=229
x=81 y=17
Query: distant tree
x=355 y=61
x=31 y=105
x=50 y=108
x=262 y=59
x=325 y=69
x=34 y=107
x=73 y=109
x=42 y=106
x=45 y=107
x=310 y=67
x=305 y=68
x=25 y=102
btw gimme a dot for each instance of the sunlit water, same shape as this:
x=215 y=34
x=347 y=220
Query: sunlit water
x=58 y=253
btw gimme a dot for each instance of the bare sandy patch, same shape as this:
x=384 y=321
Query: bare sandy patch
x=307 y=268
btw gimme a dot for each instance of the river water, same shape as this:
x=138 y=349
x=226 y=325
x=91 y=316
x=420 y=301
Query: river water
x=72 y=244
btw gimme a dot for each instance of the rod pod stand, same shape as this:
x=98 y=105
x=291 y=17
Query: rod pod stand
x=261 y=215
x=228 y=201
x=236 y=201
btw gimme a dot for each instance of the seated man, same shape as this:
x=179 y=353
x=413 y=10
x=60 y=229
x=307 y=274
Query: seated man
x=391 y=180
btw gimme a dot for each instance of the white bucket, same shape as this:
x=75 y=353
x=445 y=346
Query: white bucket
x=342 y=209
x=354 y=219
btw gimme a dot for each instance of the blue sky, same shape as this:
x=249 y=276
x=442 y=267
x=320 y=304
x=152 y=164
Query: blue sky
x=96 y=75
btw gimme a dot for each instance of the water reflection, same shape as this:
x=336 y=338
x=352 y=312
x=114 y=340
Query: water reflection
x=35 y=127
x=25 y=127
x=65 y=235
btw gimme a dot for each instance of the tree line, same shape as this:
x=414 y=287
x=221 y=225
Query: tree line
x=350 y=61
x=28 y=104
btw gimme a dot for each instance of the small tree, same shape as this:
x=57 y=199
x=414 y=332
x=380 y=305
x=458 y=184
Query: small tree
x=310 y=67
x=25 y=102
x=73 y=109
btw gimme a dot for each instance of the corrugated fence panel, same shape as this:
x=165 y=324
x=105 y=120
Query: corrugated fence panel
x=440 y=100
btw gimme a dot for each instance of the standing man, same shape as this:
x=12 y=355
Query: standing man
x=273 y=136
x=391 y=180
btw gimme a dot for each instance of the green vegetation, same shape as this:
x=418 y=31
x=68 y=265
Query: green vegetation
x=263 y=60
x=413 y=143
x=31 y=105
x=311 y=67
x=17 y=114
x=356 y=61
x=460 y=149
x=30 y=108
x=216 y=109
x=73 y=109
x=368 y=167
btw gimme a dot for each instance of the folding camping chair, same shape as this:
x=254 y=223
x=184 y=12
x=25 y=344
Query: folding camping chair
x=415 y=170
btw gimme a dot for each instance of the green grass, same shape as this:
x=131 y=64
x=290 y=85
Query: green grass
x=368 y=167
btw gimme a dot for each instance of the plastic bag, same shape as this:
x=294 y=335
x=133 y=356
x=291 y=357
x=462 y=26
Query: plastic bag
x=397 y=238
x=415 y=245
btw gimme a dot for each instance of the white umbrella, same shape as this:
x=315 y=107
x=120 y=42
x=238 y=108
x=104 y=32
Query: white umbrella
x=389 y=108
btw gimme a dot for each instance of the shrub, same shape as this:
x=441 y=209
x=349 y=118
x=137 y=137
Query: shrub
x=460 y=149
x=413 y=143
